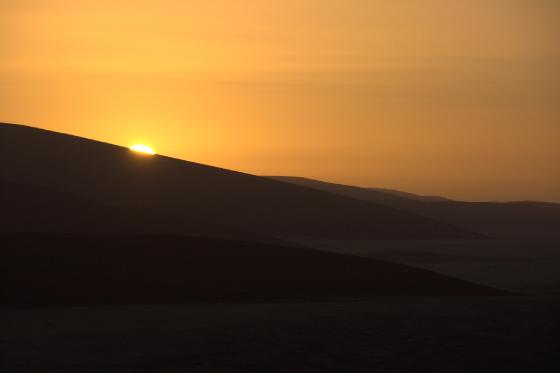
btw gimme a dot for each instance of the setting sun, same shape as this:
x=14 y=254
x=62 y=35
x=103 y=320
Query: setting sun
x=141 y=148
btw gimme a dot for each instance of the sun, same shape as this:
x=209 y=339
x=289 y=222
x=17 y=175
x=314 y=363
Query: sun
x=141 y=148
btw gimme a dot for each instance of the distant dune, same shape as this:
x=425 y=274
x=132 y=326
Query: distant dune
x=368 y=194
x=112 y=175
x=69 y=269
x=408 y=195
x=495 y=219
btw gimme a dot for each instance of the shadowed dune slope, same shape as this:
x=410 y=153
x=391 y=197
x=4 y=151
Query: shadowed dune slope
x=497 y=219
x=27 y=208
x=114 y=175
x=65 y=270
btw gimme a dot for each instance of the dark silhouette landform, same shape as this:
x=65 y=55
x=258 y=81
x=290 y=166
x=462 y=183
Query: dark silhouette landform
x=50 y=269
x=30 y=208
x=521 y=251
x=115 y=176
x=88 y=223
x=520 y=219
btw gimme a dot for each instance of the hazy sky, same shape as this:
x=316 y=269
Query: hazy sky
x=460 y=98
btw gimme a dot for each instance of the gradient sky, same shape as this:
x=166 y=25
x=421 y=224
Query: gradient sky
x=459 y=98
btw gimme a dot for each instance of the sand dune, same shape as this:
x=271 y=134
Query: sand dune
x=496 y=219
x=28 y=208
x=113 y=175
x=69 y=269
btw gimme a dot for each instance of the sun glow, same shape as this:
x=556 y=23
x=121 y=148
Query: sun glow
x=141 y=148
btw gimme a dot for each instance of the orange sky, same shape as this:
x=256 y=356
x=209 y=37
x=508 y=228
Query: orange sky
x=459 y=98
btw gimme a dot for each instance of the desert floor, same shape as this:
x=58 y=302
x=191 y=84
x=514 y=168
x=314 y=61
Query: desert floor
x=404 y=334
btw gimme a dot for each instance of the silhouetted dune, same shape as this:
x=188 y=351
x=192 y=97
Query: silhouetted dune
x=418 y=197
x=496 y=219
x=369 y=194
x=64 y=270
x=113 y=175
x=28 y=208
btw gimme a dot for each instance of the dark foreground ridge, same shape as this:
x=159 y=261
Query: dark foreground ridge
x=115 y=176
x=72 y=269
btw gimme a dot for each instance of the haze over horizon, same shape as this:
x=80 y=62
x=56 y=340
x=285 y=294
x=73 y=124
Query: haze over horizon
x=457 y=99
